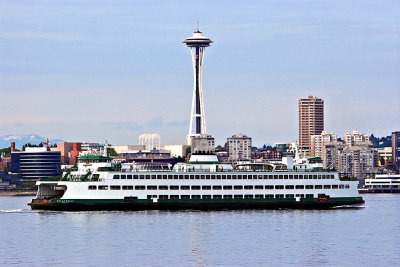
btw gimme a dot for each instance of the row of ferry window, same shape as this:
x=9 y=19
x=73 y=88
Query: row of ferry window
x=215 y=187
x=230 y=196
x=224 y=176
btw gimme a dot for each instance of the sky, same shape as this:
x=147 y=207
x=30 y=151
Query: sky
x=95 y=70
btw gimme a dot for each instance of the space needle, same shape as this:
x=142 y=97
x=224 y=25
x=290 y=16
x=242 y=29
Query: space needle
x=197 y=44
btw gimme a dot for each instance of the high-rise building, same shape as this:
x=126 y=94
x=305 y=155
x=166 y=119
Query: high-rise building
x=197 y=128
x=311 y=121
x=355 y=138
x=396 y=149
x=239 y=147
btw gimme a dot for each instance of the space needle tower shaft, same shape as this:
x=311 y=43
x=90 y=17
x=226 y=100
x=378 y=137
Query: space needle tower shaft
x=197 y=44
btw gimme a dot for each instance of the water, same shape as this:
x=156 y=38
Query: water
x=368 y=236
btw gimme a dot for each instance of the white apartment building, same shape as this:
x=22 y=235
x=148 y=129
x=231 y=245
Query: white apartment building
x=355 y=138
x=239 y=147
x=318 y=143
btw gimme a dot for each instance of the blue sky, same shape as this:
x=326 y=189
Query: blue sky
x=95 y=70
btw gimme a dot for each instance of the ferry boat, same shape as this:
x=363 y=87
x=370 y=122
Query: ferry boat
x=101 y=183
x=382 y=183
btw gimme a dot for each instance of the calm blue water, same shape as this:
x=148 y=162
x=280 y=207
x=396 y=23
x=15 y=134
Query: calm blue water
x=368 y=236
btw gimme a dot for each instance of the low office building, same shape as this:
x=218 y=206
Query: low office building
x=239 y=147
x=36 y=163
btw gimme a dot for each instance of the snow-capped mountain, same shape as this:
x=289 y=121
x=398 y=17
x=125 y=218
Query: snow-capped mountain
x=21 y=140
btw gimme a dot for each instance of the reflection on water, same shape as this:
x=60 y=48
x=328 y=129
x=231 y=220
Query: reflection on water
x=334 y=237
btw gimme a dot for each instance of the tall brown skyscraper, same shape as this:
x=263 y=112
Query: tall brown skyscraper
x=311 y=121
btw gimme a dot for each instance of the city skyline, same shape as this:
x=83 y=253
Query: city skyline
x=119 y=68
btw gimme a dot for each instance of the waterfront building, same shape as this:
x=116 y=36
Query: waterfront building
x=35 y=163
x=239 y=147
x=318 y=143
x=355 y=138
x=198 y=138
x=311 y=121
x=267 y=155
x=65 y=149
x=90 y=146
x=396 y=149
x=177 y=151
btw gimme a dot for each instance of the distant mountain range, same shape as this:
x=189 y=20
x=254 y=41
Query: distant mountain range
x=21 y=140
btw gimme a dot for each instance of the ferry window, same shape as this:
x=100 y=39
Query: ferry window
x=289 y=187
x=227 y=196
x=249 y=176
x=248 y=196
x=347 y=186
x=195 y=187
x=174 y=197
x=258 y=187
x=163 y=187
x=181 y=176
x=248 y=187
x=309 y=186
x=127 y=187
x=165 y=176
x=141 y=176
x=291 y=176
x=300 y=195
x=260 y=176
x=258 y=196
x=207 y=176
x=269 y=196
x=270 y=176
x=140 y=187
x=196 y=196
x=116 y=176
x=319 y=176
x=174 y=187
x=323 y=176
x=239 y=176
x=92 y=187
x=153 y=176
x=299 y=186
x=206 y=197
x=219 y=177
x=185 y=197
x=280 y=176
x=223 y=176
x=227 y=187
x=309 y=195
x=279 y=196
x=305 y=176
x=185 y=187
x=191 y=176
x=289 y=196
x=285 y=176
x=318 y=186
x=175 y=176
x=202 y=176
x=269 y=187
x=278 y=186
x=103 y=187
x=300 y=176
x=238 y=187
x=217 y=187
x=238 y=196
x=151 y=196
x=335 y=186
x=332 y=176
x=327 y=186
x=244 y=176
x=206 y=187
x=229 y=177
x=217 y=197
x=341 y=186
x=151 y=187
x=129 y=176
x=135 y=176
x=197 y=176
x=123 y=176
x=163 y=197
x=115 y=187
x=234 y=177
